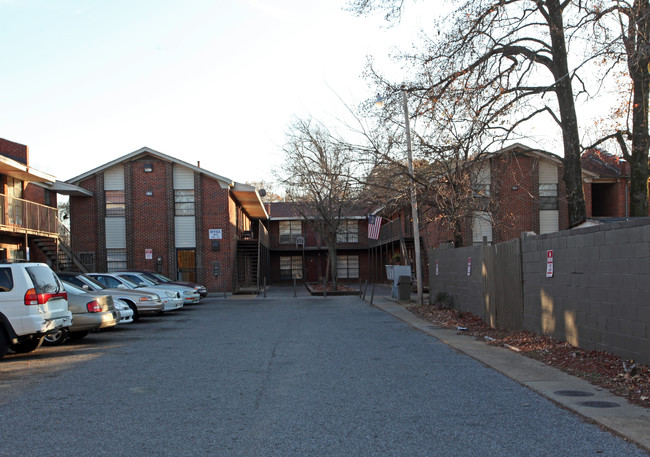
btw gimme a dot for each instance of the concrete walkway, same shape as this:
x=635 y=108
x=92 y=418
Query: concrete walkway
x=591 y=402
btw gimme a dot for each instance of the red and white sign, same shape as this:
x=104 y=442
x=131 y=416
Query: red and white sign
x=549 y=264
x=148 y=254
x=469 y=266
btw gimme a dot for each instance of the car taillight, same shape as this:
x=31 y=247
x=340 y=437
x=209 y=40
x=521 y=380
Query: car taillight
x=93 y=307
x=32 y=298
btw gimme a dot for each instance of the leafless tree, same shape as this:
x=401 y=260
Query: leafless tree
x=317 y=178
x=622 y=29
x=513 y=53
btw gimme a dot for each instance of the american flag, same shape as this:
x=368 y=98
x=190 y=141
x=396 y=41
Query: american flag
x=374 y=224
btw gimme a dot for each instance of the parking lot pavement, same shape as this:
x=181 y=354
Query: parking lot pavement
x=280 y=376
x=591 y=402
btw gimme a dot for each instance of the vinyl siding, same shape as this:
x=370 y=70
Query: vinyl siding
x=115 y=232
x=183 y=177
x=185 y=231
x=114 y=178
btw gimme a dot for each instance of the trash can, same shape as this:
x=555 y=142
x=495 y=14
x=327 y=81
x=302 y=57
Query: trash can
x=404 y=288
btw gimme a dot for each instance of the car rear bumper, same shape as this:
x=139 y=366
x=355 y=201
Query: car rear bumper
x=93 y=321
x=40 y=326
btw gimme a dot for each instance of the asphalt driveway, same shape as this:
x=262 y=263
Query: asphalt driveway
x=278 y=376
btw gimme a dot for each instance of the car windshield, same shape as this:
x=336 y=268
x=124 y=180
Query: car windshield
x=142 y=282
x=129 y=282
x=161 y=278
x=93 y=283
x=72 y=289
x=151 y=277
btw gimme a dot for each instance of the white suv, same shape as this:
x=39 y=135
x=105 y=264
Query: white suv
x=33 y=303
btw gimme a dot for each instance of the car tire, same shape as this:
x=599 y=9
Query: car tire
x=55 y=339
x=27 y=345
x=136 y=316
x=74 y=336
x=4 y=342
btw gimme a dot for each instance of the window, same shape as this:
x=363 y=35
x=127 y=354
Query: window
x=6 y=280
x=290 y=267
x=347 y=266
x=481 y=227
x=115 y=259
x=114 y=203
x=547 y=197
x=15 y=206
x=184 y=202
x=481 y=181
x=348 y=232
x=289 y=231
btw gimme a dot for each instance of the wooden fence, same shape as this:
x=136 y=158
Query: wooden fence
x=503 y=298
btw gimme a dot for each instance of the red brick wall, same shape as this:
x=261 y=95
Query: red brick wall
x=38 y=194
x=586 y=188
x=84 y=219
x=148 y=214
x=515 y=184
x=216 y=209
x=15 y=151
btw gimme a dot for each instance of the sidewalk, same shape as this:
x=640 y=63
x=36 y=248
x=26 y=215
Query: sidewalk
x=593 y=403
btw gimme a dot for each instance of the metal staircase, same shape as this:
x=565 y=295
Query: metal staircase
x=59 y=253
x=246 y=267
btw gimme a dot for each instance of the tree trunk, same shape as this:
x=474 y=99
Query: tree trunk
x=568 y=117
x=331 y=249
x=638 y=66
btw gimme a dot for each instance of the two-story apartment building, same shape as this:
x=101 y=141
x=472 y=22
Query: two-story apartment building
x=147 y=210
x=297 y=251
x=28 y=199
x=522 y=190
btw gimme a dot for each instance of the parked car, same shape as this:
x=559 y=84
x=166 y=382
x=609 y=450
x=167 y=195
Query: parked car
x=140 y=302
x=202 y=290
x=33 y=304
x=190 y=296
x=126 y=313
x=171 y=299
x=90 y=311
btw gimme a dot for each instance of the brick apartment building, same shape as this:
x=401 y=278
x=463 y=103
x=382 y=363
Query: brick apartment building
x=297 y=251
x=147 y=210
x=607 y=194
x=526 y=193
x=29 y=224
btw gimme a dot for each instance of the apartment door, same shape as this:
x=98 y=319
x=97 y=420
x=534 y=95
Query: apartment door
x=186 y=265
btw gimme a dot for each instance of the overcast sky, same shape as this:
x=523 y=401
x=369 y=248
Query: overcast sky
x=215 y=81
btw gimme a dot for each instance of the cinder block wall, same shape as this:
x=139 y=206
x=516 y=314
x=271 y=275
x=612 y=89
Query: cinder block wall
x=452 y=278
x=598 y=297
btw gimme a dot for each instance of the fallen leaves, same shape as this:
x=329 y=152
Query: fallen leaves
x=625 y=378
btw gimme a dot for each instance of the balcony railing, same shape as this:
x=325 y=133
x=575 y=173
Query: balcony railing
x=23 y=216
x=392 y=231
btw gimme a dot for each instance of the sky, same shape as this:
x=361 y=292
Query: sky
x=210 y=81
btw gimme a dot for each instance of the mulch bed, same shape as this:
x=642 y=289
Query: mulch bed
x=622 y=377
x=341 y=289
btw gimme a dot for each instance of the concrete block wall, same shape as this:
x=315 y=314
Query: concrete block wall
x=451 y=278
x=598 y=297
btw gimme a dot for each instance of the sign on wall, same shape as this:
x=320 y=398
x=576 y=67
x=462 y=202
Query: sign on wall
x=148 y=254
x=215 y=234
x=549 y=263
x=469 y=266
